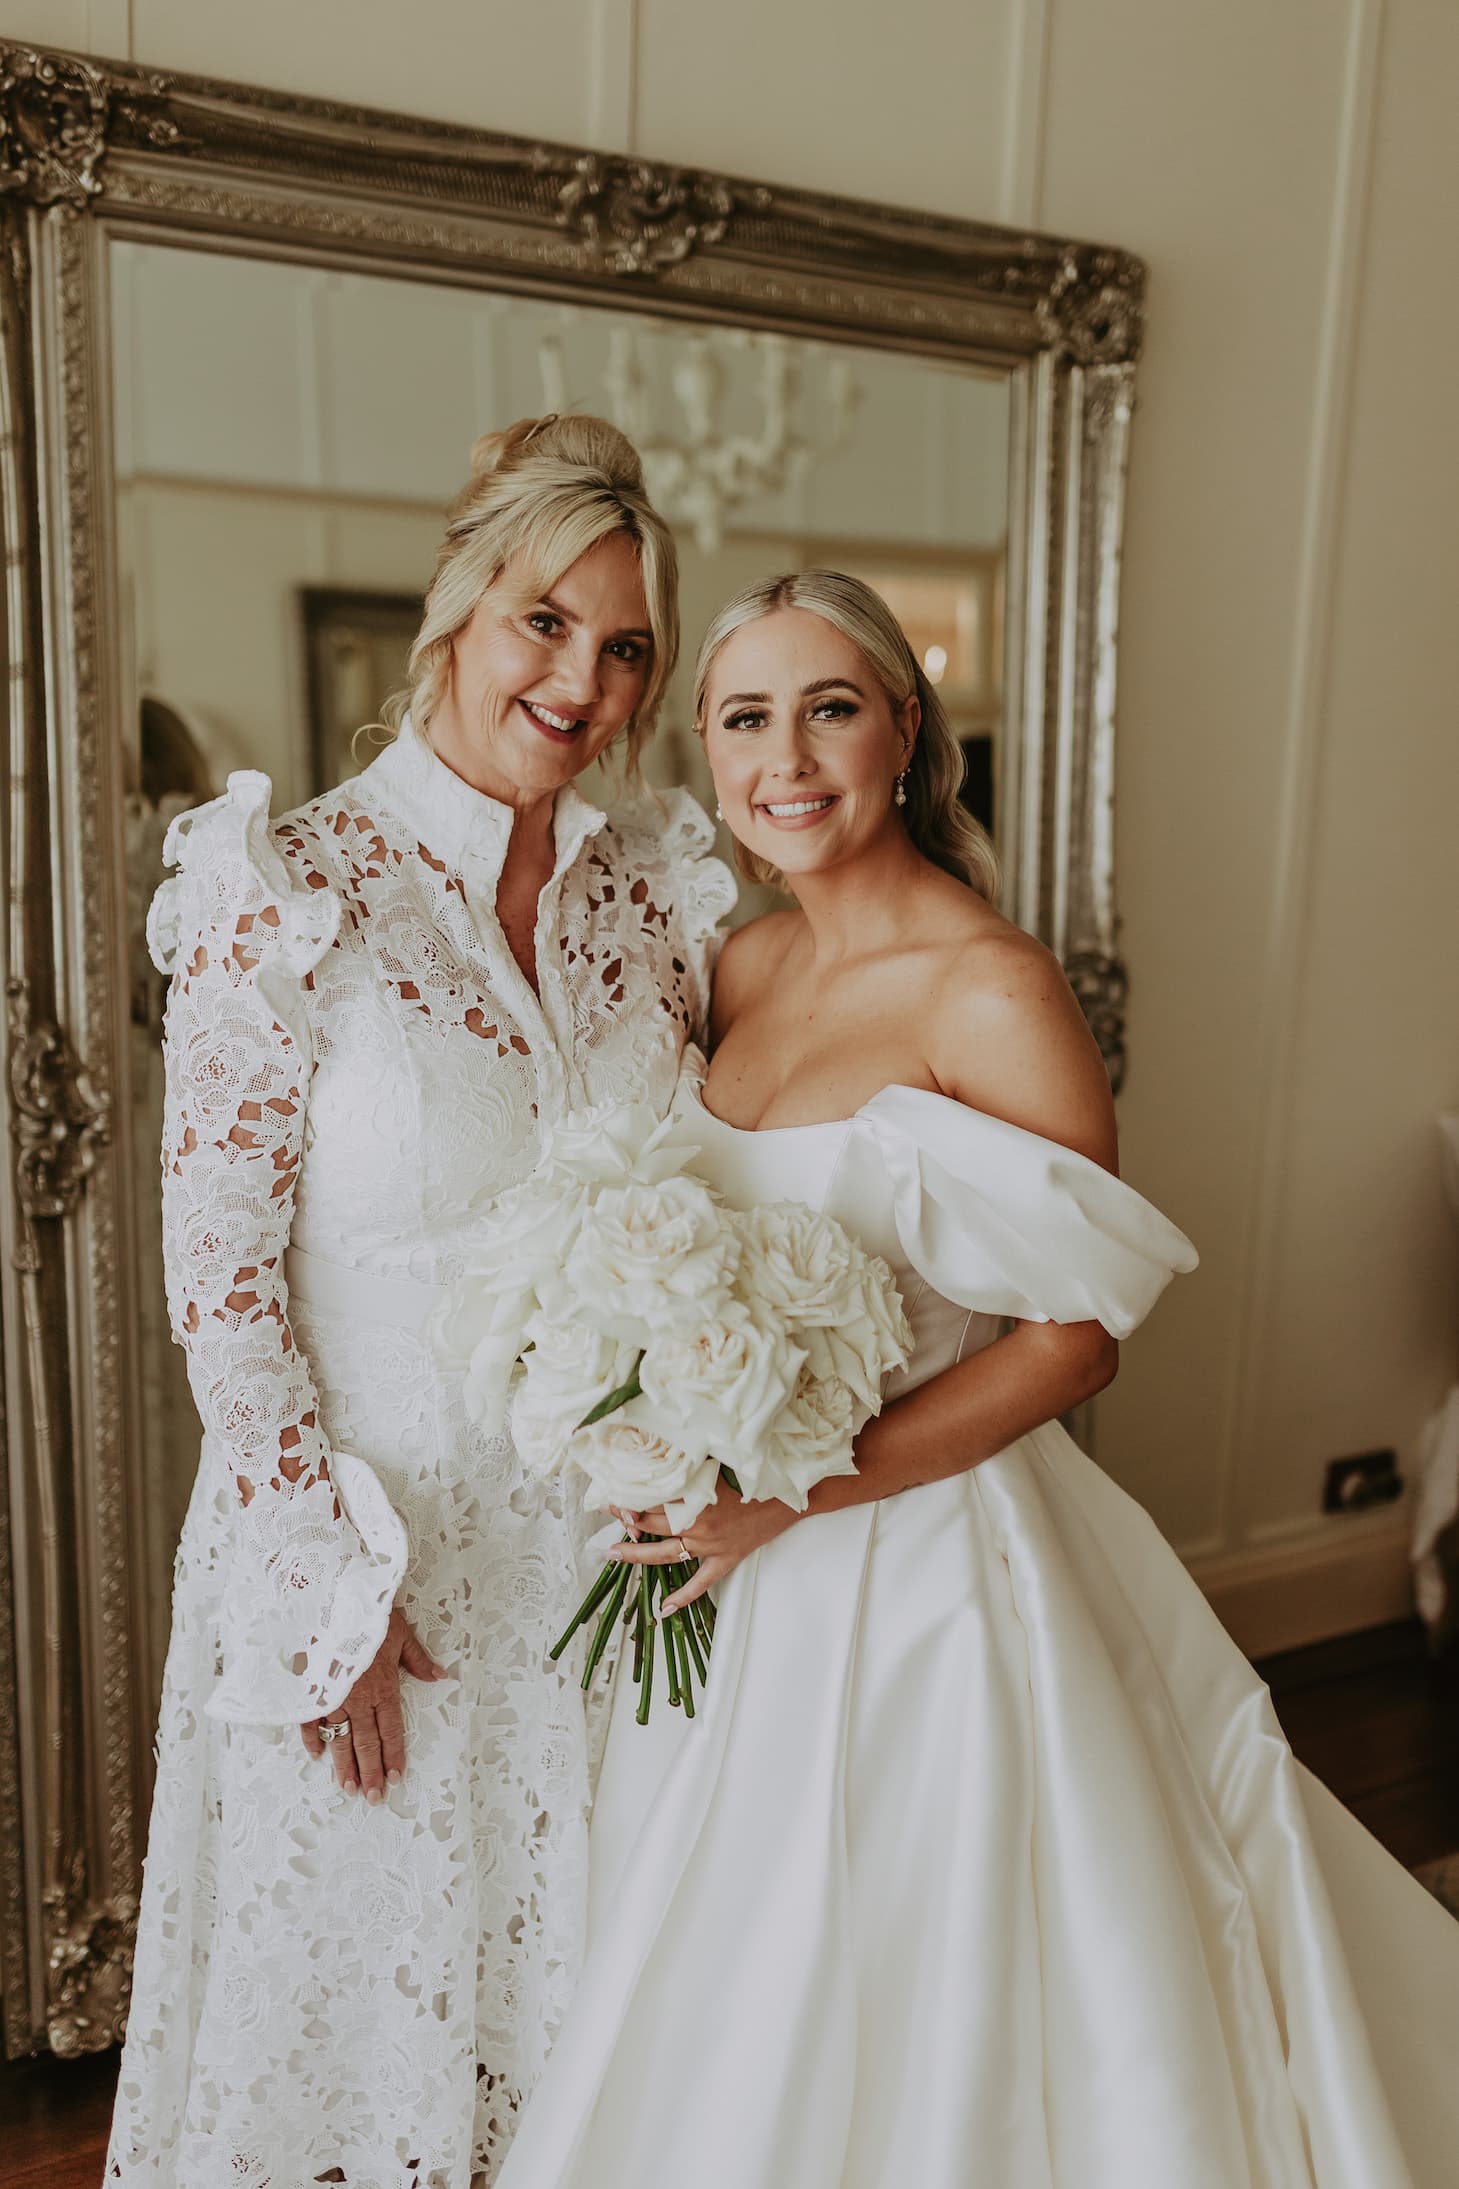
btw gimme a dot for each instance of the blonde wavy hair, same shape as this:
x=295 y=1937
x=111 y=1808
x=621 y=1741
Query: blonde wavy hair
x=540 y=495
x=937 y=821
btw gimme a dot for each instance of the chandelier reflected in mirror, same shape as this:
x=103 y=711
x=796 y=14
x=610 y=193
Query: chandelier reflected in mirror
x=742 y=405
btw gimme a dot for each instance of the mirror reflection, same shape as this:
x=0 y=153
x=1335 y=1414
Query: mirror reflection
x=286 y=439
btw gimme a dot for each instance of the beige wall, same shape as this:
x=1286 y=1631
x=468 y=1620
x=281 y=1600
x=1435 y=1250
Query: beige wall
x=1288 y=770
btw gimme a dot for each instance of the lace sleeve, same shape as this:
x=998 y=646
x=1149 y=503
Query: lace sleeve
x=316 y=1551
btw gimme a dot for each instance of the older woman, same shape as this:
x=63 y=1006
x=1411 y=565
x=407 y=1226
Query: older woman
x=353 y=1950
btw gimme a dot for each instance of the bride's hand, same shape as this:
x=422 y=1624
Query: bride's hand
x=725 y=1533
x=372 y=1753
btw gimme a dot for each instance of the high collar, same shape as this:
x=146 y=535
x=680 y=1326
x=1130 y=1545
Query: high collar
x=461 y=824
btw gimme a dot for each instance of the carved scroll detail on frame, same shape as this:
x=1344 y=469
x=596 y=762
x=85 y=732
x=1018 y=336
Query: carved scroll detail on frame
x=89 y=1967
x=56 y=112
x=59 y=1123
x=1102 y=984
x=1093 y=311
x=53 y=113
x=637 y=217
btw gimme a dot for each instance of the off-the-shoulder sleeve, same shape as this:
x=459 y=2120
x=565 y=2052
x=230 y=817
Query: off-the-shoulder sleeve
x=316 y=1551
x=1008 y=1223
x=704 y=894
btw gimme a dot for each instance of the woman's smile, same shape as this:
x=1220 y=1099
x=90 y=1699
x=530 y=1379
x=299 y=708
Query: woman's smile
x=797 y=813
x=561 y=729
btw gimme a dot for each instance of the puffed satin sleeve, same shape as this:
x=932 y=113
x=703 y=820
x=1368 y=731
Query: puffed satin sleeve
x=1007 y=1223
x=315 y=1550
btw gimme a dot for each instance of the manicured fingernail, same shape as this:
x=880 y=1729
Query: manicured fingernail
x=394 y=1777
x=350 y=1787
x=373 y=1795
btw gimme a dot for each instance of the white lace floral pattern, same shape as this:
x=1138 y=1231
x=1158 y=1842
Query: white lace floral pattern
x=356 y=1068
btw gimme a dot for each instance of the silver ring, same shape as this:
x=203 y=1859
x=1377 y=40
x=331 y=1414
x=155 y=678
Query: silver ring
x=338 y=1730
x=684 y=1550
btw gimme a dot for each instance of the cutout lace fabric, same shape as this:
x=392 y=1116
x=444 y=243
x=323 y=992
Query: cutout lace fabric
x=356 y=1066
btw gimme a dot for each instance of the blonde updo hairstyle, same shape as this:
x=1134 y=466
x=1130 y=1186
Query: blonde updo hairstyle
x=540 y=495
x=935 y=818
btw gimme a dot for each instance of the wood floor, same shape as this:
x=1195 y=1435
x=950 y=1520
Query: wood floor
x=1371 y=1715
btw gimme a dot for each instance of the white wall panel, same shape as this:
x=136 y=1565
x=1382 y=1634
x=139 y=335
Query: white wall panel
x=1164 y=132
x=904 y=103
x=1364 y=1298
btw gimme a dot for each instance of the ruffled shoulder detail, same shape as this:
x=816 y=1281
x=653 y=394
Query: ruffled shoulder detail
x=1008 y=1223
x=227 y=864
x=668 y=839
x=709 y=888
x=232 y=881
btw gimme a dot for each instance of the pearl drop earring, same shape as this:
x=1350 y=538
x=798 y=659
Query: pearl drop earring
x=901 y=792
x=718 y=812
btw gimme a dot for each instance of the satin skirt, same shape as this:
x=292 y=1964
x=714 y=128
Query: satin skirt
x=986 y=1866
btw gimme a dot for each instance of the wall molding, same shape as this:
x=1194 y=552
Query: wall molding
x=1274 y=1048
x=612 y=117
x=1310 y=1588
x=1025 y=113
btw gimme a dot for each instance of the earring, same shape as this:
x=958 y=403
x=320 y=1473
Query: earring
x=901 y=790
x=719 y=812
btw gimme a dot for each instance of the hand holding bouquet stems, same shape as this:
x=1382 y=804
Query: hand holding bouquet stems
x=642 y=1331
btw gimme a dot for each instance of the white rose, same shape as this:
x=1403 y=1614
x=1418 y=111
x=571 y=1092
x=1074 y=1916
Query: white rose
x=628 y=1463
x=718 y=1384
x=477 y=1331
x=612 y=1145
x=568 y=1371
x=529 y=1233
x=837 y=1301
x=647 y=1256
x=479 y=1328
x=812 y=1439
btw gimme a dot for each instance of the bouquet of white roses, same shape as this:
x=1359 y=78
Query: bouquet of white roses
x=637 y=1328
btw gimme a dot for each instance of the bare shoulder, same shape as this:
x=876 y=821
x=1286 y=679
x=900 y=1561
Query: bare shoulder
x=1009 y=1038
x=747 y=959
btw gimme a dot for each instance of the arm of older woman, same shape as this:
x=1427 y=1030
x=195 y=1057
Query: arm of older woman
x=1015 y=1046
x=313 y=1551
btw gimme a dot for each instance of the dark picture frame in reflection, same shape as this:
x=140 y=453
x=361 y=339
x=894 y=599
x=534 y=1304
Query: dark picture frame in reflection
x=355 y=649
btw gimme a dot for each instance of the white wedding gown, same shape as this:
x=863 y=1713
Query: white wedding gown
x=985 y=1864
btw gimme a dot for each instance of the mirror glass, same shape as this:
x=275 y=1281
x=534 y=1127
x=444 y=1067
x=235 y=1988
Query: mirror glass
x=286 y=441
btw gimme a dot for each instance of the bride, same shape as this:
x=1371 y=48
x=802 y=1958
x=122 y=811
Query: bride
x=985 y=1864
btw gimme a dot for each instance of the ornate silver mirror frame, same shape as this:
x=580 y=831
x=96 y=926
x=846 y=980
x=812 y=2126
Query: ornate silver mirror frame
x=90 y=151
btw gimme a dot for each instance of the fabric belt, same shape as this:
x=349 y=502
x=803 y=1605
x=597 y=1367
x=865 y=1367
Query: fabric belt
x=337 y=1290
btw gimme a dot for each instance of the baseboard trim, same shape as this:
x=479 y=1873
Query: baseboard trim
x=1280 y=1596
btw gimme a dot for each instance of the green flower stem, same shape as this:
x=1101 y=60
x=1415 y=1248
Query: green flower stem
x=646 y=1684
x=606 y=1625
x=686 y=1625
x=639 y=1624
x=678 y=1627
x=587 y=1607
x=671 y=1655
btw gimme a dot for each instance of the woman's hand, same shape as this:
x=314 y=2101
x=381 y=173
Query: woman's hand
x=725 y=1533
x=372 y=1754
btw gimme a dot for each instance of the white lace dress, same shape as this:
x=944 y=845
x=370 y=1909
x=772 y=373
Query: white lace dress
x=327 y=1991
